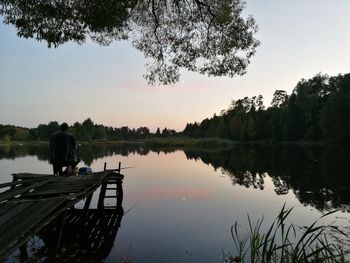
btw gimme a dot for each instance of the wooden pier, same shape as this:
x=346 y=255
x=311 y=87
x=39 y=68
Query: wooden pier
x=36 y=203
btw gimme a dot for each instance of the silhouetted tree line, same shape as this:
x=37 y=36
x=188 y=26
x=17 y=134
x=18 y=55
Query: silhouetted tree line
x=317 y=109
x=85 y=131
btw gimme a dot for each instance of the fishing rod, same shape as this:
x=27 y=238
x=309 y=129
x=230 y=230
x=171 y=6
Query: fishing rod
x=127 y=167
x=131 y=208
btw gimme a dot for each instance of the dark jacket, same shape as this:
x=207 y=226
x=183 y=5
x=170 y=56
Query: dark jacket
x=62 y=148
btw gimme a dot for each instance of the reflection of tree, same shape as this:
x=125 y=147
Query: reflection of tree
x=86 y=152
x=281 y=187
x=16 y=151
x=317 y=175
x=247 y=179
x=90 y=152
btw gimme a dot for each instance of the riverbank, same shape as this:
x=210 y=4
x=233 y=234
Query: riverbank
x=20 y=143
x=179 y=142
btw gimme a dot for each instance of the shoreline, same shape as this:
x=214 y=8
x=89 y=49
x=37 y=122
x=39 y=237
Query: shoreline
x=180 y=142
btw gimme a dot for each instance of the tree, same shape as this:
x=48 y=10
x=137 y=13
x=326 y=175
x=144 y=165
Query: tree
x=124 y=132
x=165 y=132
x=279 y=97
x=52 y=127
x=142 y=132
x=100 y=132
x=44 y=131
x=310 y=97
x=335 y=118
x=259 y=103
x=293 y=121
x=210 y=37
x=158 y=132
x=87 y=129
x=335 y=115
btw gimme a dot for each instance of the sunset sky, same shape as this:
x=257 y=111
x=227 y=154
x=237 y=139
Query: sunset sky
x=299 y=39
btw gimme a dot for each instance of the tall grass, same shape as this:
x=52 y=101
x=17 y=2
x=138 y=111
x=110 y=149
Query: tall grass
x=285 y=243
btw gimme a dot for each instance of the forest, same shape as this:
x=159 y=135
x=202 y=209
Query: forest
x=85 y=131
x=318 y=109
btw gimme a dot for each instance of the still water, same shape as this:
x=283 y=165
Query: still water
x=179 y=205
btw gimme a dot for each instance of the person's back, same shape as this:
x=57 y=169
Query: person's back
x=62 y=150
x=62 y=145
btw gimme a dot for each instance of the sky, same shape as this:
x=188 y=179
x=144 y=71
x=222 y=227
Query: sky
x=299 y=38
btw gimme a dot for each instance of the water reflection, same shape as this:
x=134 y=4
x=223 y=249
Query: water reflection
x=318 y=176
x=86 y=152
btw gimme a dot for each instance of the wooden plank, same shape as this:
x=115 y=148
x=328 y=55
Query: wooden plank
x=58 y=188
x=116 y=176
x=84 y=193
x=65 y=181
x=14 y=183
x=11 y=232
x=53 y=192
x=26 y=176
x=19 y=226
x=66 y=186
x=12 y=211
x=5 y=206
x=63 y=185
x=11 y=193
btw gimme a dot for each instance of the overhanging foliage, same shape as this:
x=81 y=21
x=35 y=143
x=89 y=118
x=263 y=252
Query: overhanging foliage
x=210 y=37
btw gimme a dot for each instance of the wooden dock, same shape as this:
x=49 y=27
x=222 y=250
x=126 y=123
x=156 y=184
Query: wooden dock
x=33 y=202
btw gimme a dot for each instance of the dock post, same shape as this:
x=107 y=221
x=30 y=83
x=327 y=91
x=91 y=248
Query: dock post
x=120 y=194
x=57 y=241
x=101 y=198
x=87 y=202
x=23 y=252
x=14 y=179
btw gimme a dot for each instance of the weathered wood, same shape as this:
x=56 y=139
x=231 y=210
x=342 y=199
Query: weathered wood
x=11 y=184
x=54 y=192
x=11 y=193
x=28 y=176
x=115 y=176
x=112 y=170
x=12 y=211
x=5 y=206
x=22 y=215
x=91 y=235
x=87 y=202
x=21 y=182
x=26 y=220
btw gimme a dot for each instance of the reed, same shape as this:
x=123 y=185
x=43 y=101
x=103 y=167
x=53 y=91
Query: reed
x=285 y=243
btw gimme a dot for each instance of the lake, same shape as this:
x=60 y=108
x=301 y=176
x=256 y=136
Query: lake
x=179 y=205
